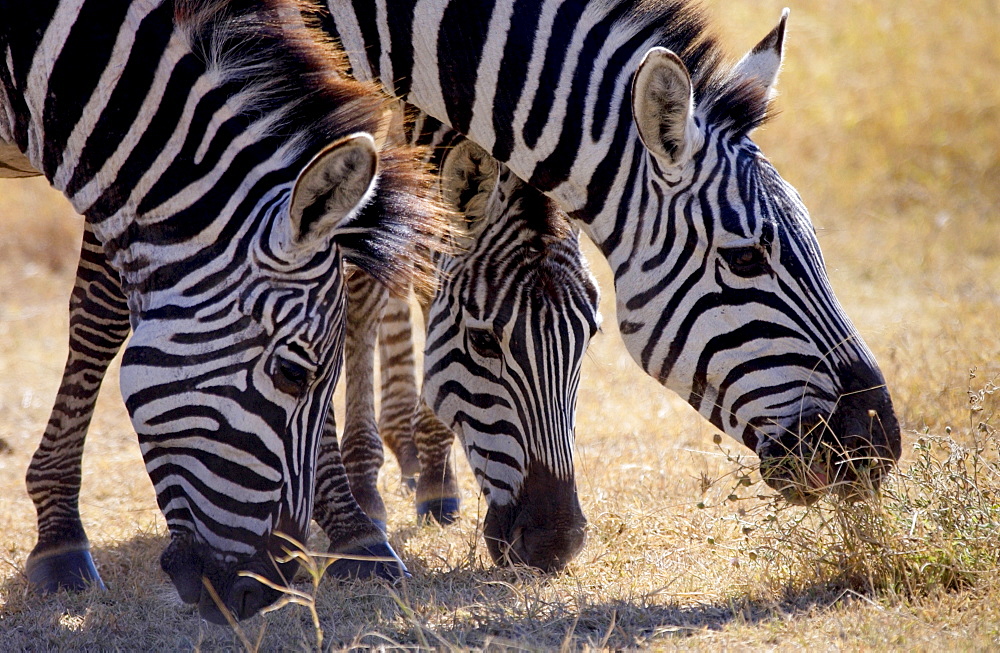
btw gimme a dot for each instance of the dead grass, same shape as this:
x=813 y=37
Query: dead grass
x=889 y=127
x=932 y=528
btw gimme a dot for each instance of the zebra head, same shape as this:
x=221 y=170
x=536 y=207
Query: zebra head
x=507 y=330
x=228 y=385
x=741 y=319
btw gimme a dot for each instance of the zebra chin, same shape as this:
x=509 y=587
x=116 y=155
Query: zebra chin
x=847 y=452
x=544 y=527
x=192 y=567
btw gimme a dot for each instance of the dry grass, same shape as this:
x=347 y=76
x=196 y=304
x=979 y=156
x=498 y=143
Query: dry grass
x=890 y=129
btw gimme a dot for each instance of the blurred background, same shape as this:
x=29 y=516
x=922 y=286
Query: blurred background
x=888 y=124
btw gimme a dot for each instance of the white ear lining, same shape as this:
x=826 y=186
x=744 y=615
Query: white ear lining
x=330 y=190
x=763 y=62
x=468 y=176
x=663 y=107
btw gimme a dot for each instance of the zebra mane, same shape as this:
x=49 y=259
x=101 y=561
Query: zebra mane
x=287 y=81
x=554 y=248
x=726 y=100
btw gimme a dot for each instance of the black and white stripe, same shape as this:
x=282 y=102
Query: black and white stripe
x=176 y=128
x=507 y=327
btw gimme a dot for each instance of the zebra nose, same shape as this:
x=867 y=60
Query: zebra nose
x=864 y=426
x=847 y=452
x=183 y=565
x=239 y=596
x=247 y=596
x=543 y=528
x=547 y=549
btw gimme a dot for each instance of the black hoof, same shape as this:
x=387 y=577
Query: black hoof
x=443 y=511
x=73 y=570
x=389 y=568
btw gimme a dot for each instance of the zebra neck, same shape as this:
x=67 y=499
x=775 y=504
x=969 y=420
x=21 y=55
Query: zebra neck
x=544 y=85
x=134 y=126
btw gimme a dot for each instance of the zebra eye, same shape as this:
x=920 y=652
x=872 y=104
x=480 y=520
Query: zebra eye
x=290 y=377
x=485 y=342
x=746 y=262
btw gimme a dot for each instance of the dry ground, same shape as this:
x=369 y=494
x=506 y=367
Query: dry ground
x=890 y=129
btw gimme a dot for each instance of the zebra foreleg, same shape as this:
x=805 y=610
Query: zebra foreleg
x=361 y=445
x=351 y=531
x=399 y=387
x=99 y=325
x=437 y=489
x=412 y=431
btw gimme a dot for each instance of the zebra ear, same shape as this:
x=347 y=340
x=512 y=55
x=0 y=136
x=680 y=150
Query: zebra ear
x=663 y=107
x=468 y=176
x=763 y=62
x=330 y=190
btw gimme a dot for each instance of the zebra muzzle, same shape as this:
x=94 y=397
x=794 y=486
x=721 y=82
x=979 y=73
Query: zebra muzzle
x=847 y=453
x=222 y=591
x=544 y=527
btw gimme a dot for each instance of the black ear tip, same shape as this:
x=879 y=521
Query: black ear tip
x=776 y=39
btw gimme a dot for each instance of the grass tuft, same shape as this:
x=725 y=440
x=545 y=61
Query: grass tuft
x=932 y=527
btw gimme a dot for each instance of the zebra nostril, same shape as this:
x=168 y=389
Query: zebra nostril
x=515 y=547
x=246 y=597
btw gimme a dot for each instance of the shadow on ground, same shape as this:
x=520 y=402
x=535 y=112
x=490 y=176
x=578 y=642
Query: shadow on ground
x=469 y=606
x=512 y=609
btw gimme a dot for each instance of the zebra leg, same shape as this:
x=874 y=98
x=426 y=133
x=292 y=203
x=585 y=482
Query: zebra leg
x=361 y=445
x=437 y=490
x=99 y=324
x=399 y=387
x=351 y=531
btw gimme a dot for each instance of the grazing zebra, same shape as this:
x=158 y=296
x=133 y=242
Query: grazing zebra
x=507 y=328
x=624 y=113
x=176 y=129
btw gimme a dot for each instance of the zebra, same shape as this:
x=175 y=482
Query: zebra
x=626 y=114
x=176 y=129
x=513 y=314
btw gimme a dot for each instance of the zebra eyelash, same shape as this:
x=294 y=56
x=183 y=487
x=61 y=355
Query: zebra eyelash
x=485 y=342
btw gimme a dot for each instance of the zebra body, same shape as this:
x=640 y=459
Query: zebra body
x=624 y=113
x=225 y=225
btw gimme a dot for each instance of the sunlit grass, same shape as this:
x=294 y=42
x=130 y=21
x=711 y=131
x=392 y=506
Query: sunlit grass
x=932 y=527
x=889 y=126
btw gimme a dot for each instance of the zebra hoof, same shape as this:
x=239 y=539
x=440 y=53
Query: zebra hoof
x=409 y=483
x=390 y=567
x=72 y=570
x=443 y=511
